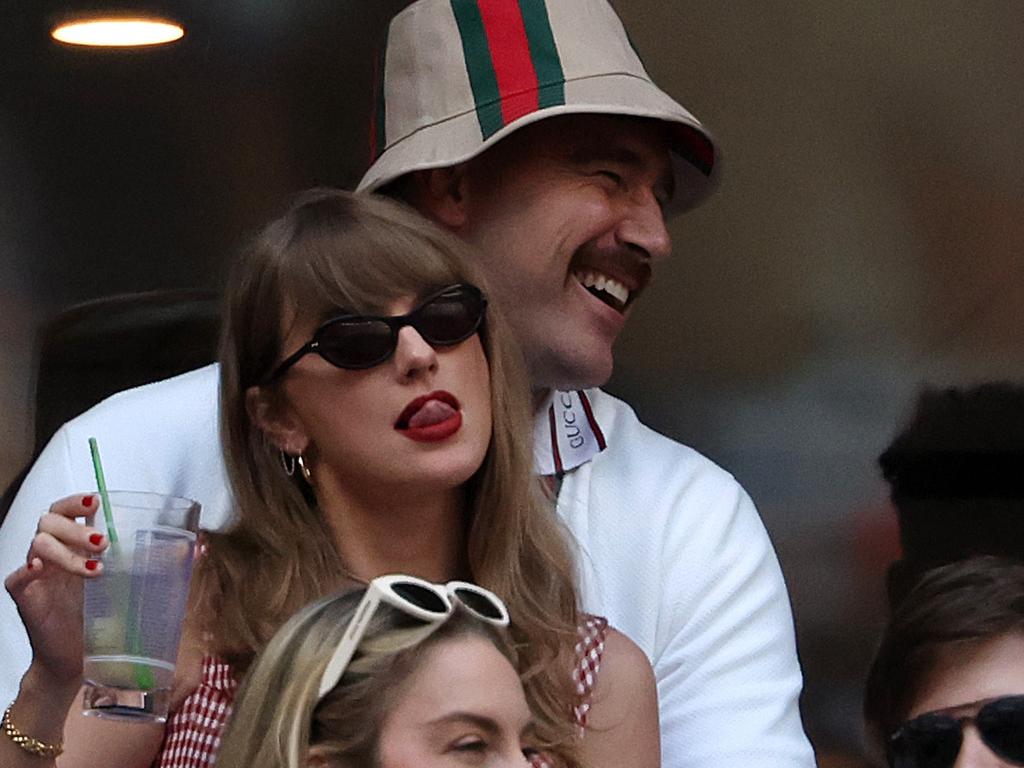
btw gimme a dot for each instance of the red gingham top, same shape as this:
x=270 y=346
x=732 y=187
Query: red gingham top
x=193 y=730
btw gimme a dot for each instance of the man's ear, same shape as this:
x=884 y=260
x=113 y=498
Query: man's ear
x=275 y=420
x=440 y=194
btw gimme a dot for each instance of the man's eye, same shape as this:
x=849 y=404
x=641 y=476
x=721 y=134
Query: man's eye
x=611 y=175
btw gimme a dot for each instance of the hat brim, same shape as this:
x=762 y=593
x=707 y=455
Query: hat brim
x=456 y=139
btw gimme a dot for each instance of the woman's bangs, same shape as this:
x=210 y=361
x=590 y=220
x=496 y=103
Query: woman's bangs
x=365 y=272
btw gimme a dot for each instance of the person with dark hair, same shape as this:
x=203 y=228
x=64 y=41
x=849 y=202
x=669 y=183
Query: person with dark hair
x=946 y=687
x=956 y=475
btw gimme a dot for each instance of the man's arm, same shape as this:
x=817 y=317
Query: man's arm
x=49 y=479
x=728 y=676
x=673 y=552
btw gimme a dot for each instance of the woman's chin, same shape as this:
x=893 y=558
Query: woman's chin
x=448 y=477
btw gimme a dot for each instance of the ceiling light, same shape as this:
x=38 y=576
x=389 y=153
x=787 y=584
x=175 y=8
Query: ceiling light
x=117 y=31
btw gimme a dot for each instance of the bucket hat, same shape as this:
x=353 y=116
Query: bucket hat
x=457 y=76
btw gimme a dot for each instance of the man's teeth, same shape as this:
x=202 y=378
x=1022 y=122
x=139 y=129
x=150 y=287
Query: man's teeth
x=604 y=283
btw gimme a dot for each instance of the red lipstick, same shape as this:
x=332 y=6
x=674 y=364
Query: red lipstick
x=430 y=418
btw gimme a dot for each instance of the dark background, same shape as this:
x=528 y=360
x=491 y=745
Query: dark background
x=866 y=239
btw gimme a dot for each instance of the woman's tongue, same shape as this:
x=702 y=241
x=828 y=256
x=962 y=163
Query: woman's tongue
x=432 y=412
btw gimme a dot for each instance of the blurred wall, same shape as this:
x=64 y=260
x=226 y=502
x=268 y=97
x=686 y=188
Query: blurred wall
x=20 y=309
x=866 y=237
x=134 y=170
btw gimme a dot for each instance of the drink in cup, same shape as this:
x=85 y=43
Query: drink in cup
x=135 y=608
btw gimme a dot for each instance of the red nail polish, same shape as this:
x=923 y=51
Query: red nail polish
x=92 y=565
x=87 y=501
x=96 y=539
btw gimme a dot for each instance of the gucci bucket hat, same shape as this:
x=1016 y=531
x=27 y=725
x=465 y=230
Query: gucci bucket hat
x=457 y=76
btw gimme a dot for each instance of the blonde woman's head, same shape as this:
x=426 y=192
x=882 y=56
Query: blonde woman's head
x=408 y=697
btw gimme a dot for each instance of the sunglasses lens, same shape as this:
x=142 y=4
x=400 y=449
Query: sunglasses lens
x=1001 y=724
x=451 y=317
x=928 y=741
x=479 y=604
x=355 y=344
x=421 y=597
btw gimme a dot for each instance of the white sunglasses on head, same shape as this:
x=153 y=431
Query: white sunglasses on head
x=430 y=603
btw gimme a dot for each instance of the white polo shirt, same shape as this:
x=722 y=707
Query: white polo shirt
x=671 y=550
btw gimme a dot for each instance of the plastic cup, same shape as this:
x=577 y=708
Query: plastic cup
x=135 y=608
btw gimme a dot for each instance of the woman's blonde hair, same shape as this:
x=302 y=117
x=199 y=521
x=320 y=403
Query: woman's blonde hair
x=278 y=716
x=336 y=250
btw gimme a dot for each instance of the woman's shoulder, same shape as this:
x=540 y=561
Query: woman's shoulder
x=610 y=664
x=611 y=670
x=626 y=672
x=621 y=717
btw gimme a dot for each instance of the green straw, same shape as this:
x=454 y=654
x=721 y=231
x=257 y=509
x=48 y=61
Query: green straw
x=143 y=674
x=108 y=512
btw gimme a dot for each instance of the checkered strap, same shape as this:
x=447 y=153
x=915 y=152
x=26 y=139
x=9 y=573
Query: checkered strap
x=194 y=730
x=591 y=634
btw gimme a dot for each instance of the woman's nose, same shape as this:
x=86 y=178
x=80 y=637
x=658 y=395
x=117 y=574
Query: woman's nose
x=414 y=357
x=974 y=753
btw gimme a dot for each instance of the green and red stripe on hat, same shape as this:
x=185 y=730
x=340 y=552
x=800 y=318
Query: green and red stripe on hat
x=456 y=76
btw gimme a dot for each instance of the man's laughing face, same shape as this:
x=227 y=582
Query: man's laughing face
x=568 y=218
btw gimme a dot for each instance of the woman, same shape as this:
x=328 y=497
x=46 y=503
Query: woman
x=946 y=687
x=373 y=421
x=433 y=688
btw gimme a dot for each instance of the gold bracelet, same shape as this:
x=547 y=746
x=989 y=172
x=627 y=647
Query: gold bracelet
x=34 y=746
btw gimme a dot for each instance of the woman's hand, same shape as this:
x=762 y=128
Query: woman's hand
x=48 y=588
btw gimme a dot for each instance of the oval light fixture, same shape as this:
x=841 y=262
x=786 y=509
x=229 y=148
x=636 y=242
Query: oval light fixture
x=117 y=31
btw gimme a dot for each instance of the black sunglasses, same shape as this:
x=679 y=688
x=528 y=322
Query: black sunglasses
x=933 y=740
x=447 y=317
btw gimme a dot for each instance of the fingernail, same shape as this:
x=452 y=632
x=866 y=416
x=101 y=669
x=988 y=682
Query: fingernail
x=92 y=565
x=87 y=501
x=96 y=539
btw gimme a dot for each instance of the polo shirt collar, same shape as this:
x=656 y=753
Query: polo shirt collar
x=565 y=433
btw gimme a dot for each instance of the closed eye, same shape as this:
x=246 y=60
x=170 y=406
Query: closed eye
x=470 y=744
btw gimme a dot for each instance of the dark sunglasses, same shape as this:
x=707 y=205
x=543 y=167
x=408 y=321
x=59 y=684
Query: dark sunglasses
x=933 y=740
x=448 y=317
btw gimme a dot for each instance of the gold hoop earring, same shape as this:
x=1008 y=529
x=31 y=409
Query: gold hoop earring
x=306 y=474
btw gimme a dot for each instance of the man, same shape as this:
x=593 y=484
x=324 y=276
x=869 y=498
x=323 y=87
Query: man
x=955 y=481
x=531 y=129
